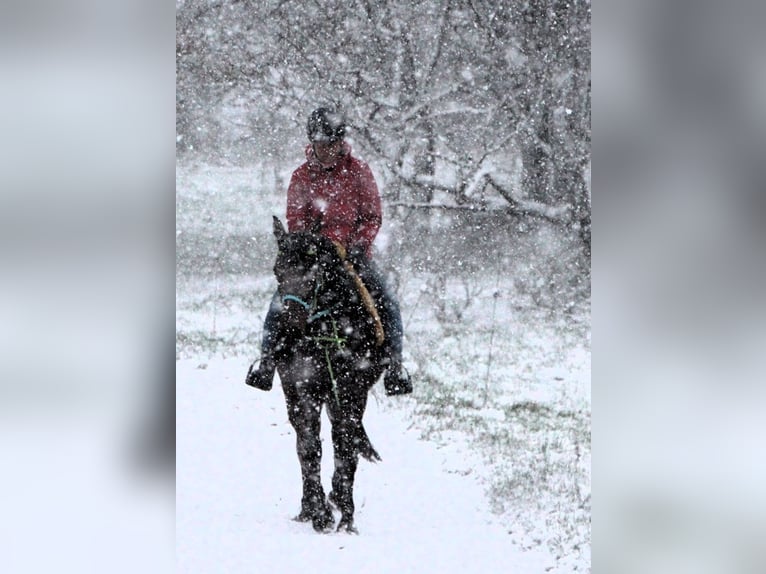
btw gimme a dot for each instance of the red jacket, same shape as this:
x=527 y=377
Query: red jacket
x=343 y=200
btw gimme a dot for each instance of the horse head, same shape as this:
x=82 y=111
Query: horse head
x=305 y=263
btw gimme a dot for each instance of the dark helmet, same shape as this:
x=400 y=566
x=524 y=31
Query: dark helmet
x=326 y=125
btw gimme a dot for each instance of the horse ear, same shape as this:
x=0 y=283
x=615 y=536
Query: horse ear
x=279 y=229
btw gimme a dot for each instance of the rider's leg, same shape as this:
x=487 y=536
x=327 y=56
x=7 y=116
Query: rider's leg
x=397 y=380
x=262 y=377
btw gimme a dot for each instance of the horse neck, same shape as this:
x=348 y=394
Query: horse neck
x=337 y=288
x=338 y=294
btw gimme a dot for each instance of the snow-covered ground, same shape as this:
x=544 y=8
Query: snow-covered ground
x=486 y=467
x=238 y=485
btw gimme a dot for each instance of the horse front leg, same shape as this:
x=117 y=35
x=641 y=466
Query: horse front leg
x=344 y=438
x=346 y=462
x=304 y=412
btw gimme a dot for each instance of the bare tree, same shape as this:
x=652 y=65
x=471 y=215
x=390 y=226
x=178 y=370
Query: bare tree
x=464 y=104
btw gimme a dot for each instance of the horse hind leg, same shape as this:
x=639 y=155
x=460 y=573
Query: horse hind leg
x=363 y=446
x=346 y=462
x=344 y=501
x=350 y=440
x=342 y=497
x=361 y=440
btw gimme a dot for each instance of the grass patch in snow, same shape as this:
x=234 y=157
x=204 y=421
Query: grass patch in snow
x=519 y=390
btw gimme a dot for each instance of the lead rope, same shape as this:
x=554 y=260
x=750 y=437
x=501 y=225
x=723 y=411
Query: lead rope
x=326 y=343
x=364 y=293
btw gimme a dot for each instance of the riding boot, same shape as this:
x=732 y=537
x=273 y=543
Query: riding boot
x=262 y=378
x=397 y=379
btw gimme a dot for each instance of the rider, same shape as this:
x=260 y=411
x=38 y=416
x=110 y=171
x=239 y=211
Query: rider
x=335 y=194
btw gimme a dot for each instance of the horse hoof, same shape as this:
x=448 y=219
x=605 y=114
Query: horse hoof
x=322 y=529
x=303 y=516
x=347 y=525
x=323 y=521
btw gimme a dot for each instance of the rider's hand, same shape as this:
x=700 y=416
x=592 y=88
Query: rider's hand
x=357 y=253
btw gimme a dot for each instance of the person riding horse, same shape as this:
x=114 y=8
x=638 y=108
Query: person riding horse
x=335 y=194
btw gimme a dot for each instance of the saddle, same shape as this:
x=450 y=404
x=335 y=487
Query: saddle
x=364 y=293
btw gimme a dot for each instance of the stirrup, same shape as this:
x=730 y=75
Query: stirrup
x=397 y=380
x=261 y=378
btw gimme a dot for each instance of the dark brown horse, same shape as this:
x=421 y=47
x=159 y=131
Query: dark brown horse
x=327 y=357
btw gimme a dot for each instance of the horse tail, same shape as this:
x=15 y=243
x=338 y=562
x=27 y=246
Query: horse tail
x=364 y=446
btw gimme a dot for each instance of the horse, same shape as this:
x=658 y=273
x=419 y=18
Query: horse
x=329 y=355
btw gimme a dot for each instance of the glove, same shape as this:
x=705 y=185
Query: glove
x=357 y=254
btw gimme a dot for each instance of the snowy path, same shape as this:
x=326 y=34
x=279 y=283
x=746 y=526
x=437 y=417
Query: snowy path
x=238 y=484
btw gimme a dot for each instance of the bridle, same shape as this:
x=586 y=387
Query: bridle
x=310 y=307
